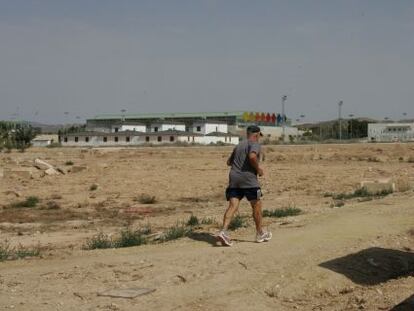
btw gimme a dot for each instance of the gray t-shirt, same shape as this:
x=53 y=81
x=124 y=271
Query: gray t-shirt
x=242 y=173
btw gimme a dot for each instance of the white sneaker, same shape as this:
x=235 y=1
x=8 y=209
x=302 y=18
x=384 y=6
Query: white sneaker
x=224 y=239
x=264 y=237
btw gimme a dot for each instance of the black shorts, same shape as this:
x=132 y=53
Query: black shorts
x=251 y=194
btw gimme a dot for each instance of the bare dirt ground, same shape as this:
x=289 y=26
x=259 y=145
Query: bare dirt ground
x=356 y=257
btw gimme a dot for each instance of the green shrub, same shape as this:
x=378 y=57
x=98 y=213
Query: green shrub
x=193 y=221
x=282 y=212
x=69 y=163
x=126 y=238
x=360 y=193
x=31 y=201
x=4 y=251
x=12 y=253
x=93 y=187
x=23 y=252
x=129 y=238
x=237 y=222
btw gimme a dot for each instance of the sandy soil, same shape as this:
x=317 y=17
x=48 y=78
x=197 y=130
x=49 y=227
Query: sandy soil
x=359 y=256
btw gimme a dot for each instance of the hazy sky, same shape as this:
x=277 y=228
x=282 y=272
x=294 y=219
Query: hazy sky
x=89 y=57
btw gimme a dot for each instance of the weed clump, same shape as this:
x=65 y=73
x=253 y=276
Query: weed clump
x=93 y=187
x=193 y=221
x=282 y=212
x=146 y=199
x=68 y=163
x=237 y=222
x=175 y=232
x=99 y=241
x=30 y=201
x=13 y=253
x=127 y=238
x=361 y=193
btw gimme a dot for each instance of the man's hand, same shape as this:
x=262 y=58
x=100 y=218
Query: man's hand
x=254 y=161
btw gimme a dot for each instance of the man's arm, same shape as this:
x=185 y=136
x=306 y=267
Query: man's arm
x=231 y=158
x=254 y=161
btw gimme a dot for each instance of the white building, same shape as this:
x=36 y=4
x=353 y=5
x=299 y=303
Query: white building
x=44 y=140
x=162 y=126
x=208 y=127
x=134 y=138
x=135 y=127
x=274 y=133
x=383 y=132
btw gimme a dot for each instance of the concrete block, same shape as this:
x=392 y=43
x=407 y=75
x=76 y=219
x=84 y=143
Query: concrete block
x=51 y=171
x=42 y=165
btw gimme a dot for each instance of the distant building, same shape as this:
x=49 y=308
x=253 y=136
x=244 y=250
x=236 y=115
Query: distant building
x=134 y=138
x=207 y=127
x=387 y=132
x=44 y=140
x=234 y=120
x=161 y=126
x=125 y=126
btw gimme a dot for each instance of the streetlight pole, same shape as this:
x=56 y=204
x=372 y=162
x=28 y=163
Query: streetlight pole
x=284 y=98
x=123 y=115
x=351 y=116
x=341 y=102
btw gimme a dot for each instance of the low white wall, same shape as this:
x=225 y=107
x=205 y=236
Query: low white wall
x=207 y=128
x=166 y=127
x=96 y=141
x=123 y=128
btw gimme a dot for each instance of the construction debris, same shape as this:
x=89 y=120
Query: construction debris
x=42 y=165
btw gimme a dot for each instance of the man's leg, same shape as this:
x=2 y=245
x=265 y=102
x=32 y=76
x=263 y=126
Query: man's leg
x=257 y=215
x=261 y=235
x=228 y=215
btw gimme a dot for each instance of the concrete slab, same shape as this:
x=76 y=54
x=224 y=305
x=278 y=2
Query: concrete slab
x=126 y=292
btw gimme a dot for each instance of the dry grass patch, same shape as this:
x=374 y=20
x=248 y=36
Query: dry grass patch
x=146 y=199
x=282 y=212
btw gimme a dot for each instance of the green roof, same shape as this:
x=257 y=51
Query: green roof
x=168 y=115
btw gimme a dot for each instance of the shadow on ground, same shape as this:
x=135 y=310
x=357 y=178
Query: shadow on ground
x=406 y=305
x=373 y=265
x=204 y=237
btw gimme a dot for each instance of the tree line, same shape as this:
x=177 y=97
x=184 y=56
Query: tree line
x=16 y=135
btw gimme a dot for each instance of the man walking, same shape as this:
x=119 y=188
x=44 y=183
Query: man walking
x=244 y=162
